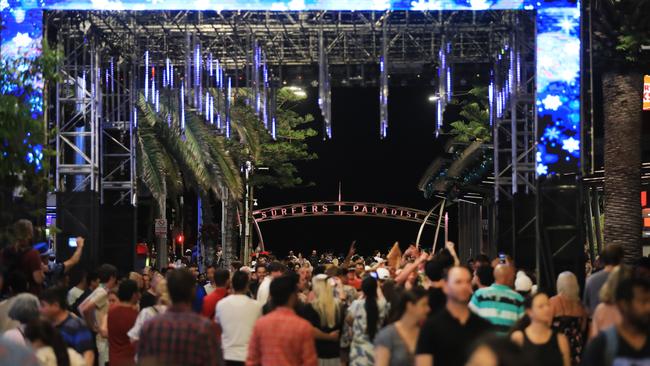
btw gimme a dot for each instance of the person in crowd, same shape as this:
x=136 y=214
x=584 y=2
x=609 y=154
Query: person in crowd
x=95 y=308
x=395 y=344
x=236 y=315
x=92 y=282
x=210 y=285
x=56 y=271
x=149 y=294
x=49 y=346
x=353 y=279
x=483 y=276
x=365 y=317
x=607 y=314
x=121 y=318
x=536 y=337
x=22 y=257
x=569 y=315
x=344 y=292
x=445 y=338
x=324 y=312
x=627 y=343
x=179 y=336
x=15 y=354
x=499 y=303
x=17 y=284
x=523 y=284
x=221 y=282
x=611 y=257
x=74 y=331
x=199 y=295
x=497 y=351
x=276 y=269
x=281 y=337
x=24 y=309
x=162 y=302
x=79 y=281
x=434 y=270
x=257 y=278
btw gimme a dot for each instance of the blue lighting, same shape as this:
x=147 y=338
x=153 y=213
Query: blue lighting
x=558 y=90
x=558 y=52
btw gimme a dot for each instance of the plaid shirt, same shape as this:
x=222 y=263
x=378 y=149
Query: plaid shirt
x=179 y=337
x=282 y=338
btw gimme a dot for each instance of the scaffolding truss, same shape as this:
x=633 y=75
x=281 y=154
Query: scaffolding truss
x=95 y=138
x=292 y=38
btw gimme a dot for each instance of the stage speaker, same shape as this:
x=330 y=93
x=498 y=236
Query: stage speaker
x=118 y=236
x=77 y=214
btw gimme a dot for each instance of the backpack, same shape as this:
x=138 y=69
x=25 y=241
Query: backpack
x=611 y=344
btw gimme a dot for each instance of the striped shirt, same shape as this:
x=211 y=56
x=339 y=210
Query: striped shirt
x=498 y=304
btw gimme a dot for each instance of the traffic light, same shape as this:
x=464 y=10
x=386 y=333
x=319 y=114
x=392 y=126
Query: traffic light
x=180 y=238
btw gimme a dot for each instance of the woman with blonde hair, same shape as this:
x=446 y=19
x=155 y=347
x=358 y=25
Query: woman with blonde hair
x=569 y=315
x=149 y=312
x=324 y=313
x=607 y=313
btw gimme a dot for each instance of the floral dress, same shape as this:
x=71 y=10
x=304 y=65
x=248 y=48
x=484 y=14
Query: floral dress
x=570 y=320
x=362 y=349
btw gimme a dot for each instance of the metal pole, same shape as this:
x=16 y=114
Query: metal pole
x=435 y=239
x=424 y=222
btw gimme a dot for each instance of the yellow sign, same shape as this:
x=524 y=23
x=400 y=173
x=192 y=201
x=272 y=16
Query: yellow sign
x=646 y=93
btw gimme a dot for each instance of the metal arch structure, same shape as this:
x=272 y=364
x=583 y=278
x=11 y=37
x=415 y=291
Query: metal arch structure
x=347 y=209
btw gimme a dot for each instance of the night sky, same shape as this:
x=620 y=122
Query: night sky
x=369 y=169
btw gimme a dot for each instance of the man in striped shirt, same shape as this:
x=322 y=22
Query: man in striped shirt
x=499 y=303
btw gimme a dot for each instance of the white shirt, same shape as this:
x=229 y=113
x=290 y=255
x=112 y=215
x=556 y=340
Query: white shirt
x=143 y=316
x=208 y=288
x=236 y=314
x=74 y=294
x=263 y=290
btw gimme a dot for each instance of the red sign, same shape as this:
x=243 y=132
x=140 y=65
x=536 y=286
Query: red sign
x=646 y=93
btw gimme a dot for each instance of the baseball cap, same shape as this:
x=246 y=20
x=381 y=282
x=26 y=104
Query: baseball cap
x=383 y=274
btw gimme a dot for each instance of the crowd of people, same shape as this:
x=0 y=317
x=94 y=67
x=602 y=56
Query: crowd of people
x=396 y=308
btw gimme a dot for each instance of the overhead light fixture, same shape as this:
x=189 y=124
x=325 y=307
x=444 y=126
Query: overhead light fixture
x=434 y=98
x=298 y=91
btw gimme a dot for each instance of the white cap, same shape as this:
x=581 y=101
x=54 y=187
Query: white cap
x=523 y=283
x=383 y=273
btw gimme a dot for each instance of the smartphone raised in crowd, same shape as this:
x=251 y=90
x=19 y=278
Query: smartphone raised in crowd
x=72 y=242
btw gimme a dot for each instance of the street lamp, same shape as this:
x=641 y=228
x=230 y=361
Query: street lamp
x=434 y=98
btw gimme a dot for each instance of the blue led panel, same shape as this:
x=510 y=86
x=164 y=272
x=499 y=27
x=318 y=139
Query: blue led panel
x=558 y=50
x=558 y=90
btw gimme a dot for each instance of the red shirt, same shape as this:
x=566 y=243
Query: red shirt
x=356 y=283
x=282 y=338
x=120 y=350
x=210 y=302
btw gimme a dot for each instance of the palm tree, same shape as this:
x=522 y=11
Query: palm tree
x=620 y=28
x=200 y=155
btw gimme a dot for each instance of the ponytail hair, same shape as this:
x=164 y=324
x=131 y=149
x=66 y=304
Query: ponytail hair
x=369 y=288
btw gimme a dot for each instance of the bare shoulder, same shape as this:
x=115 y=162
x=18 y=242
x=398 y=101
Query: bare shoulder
x=517 y=337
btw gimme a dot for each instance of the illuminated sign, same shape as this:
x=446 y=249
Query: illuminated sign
x=557 y=53
x=646 y=93
x=364 y=209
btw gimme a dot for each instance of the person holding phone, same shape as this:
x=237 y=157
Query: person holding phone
x=56 y=270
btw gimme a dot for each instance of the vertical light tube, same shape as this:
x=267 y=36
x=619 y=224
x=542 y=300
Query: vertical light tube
x=182 y=116
x=146 y=75
x=228 y=105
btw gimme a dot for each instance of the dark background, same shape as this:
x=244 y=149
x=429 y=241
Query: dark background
x=370 y=169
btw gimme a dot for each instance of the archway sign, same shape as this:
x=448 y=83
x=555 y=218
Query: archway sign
x=557 y=45
x=348 y=209
x=358 y=209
